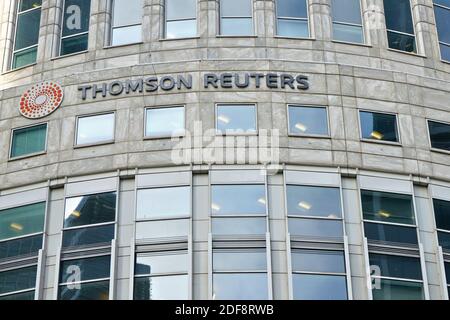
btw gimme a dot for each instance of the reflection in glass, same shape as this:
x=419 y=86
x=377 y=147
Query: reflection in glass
x=318 y=261
x=101 y=235
x=293 y=28
x=162 y=229
x=239 y=226
x=319 y=287
x=397 y=266
x=346 y=33
x=236 y=118
x=24 y=57
x=76 y=8
x=21 y=247
x=235 y=8
x=84 y=269
x=441 y=214
x=126 y=12
x=163 y=203
x=95 y=129
x=236 y=26
x=236 y=17
x=29 y=4
x=401 y=42
x=292 y=18
x=315 y=228
x=378 y=126
x=238 y=200
x=164 y=122
x=234 y=259
x=161 y=262
x=387 y=207
x=439 y=135
x=181 y=29
x=314 y=201
x=85 y=291
x=74 y=44
x=347 y=22
x=18 y=279
x=444 y=240
x=181 y=19
x=390 y=233
x=21 y=221
x=398 y=290
x=126 y=35
x=162 y=288
x=240 y=286
x=23 y=296
x=29 y=140
x=399 y=24
x=308 y=120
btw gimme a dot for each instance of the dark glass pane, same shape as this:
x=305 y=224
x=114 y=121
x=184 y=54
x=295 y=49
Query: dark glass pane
x=401 y=42
x=292 y=8
x=318 y=261
x=18 y=279
x=85 y=291
x=240 y=286
x=445 y=52
x=72 y=271
x=398 y=16
x=76 y=17
x=308 y=120
x=74 y=44
x=439 y=135
x=314 y=201
x=236 y=8
x=21 y=221
x=445 y=3
x=397 y=266
x=27 y=33
x=235 y=260
x=447 y=271
x=24 y=58
x=348 y=11
x=29 y=4
x=319 y=287
x=232 y=118
x=161 y=288
x=387 y=207
x=398 y=290
x=315 y=228
x=444 y=240
x=24 y=296
x=293 y=28
x=88 y=236
x=442 y=214
x=20 y=247
x=238 y=199
x=346 y=33
x=90 y=209
x=443 y=23
x=378 y=126
x=390 y=233
x=29 y=140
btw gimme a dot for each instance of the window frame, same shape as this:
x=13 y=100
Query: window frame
x=17 y=14
x=428 y=120
x=61 y=37
x=220 y=29
x=363 y=29
x=233 y=132
x=164 y=29
x=320 y=136
x=307 y=19
x=83 y=145
x=397 y=129
x=147 y=137
x=435 y=22
x=112 y=27
x=13 y=130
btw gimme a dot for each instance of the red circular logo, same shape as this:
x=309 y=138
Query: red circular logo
x=41 y=100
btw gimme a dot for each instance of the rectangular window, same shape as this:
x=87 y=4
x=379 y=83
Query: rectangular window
x=236 y=119
x=442 y=216
x=181 y=19
x=308 y=121
x=399 y=24
x=161 y=276
x=126 y=22
x=29 y=141
x=18 y=284
x=292 y=18
x=27 y=33
x=75 y=26
x=442 y=15
x=347 y=21
x=378 y=126
x=163 y=203
x=95 y=129
x=236 y=17
x=164 y=122
x=439 y=135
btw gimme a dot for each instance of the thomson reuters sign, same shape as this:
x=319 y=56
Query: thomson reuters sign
x=41 y=100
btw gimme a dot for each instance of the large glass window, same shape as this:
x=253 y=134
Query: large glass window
x=126 y=22
x=95 y=129
x=28 y=141
x=22 y=221
x=442 y=15
x=27 y=33
x=292 y=18
x=378 y=126
x=439 y=135
x=399 y=24
x=164 y=122
x=347 y=21
x=236 y=17
x=235 y=119
x=18 y=284
x=308 y=121
x=442 y=216
x=75 y=26
x=163 y=203
x=181 y=19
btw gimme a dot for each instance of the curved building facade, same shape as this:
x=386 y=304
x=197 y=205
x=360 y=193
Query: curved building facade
x=224 y=149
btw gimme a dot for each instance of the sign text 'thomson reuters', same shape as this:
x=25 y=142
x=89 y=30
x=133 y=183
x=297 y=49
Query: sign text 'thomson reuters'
x=210 y=80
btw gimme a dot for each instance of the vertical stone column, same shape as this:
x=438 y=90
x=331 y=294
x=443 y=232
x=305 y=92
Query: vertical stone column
x=374 y=23
x=270 y=18
x=259 y=18
x=7 y=26
x=97 y=25
x=320 y=21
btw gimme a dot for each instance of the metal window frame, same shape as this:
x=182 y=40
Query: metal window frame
x=149 y=137
x=28 y=155
x=278 y=18
x=166 y=20
x=416 y=51
x=397 y=129
x=62 y=38
x=313 y=135
x=113 y=27
x=363 y=31
x=93 y=115
x=429 y=135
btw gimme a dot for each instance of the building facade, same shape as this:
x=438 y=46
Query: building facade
x=225 y=149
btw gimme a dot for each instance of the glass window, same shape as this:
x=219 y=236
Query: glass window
x=397 y=266
x=314 y=201
x=75 y=26
x=22 y=221
x=236 y=17
x=162 y=229
x=161 y=262
x=88 y=236
x=127 y=22
x=18 y=280
x=163 y=203
x=164 y=122
x=29 y=295
x=318 y=261
x=27 y=33
x=442 y=14
x=234 y=260
x=390 y=233
x=387 y=207
x=439 y=135
x=29 y=140
x=20 y=247
x=85 y=291
x=232 y=119
x=308 y=121
x=441 y=214
x=239 y=226
x=238 y=200
x=181 y=19
x=399 y=24
x=444 y=240
x=292 y=18
x=378 y=126
x=95 y=129
x=398 y=290
x=319 y=287
x=347 y=21
x=316 y=228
